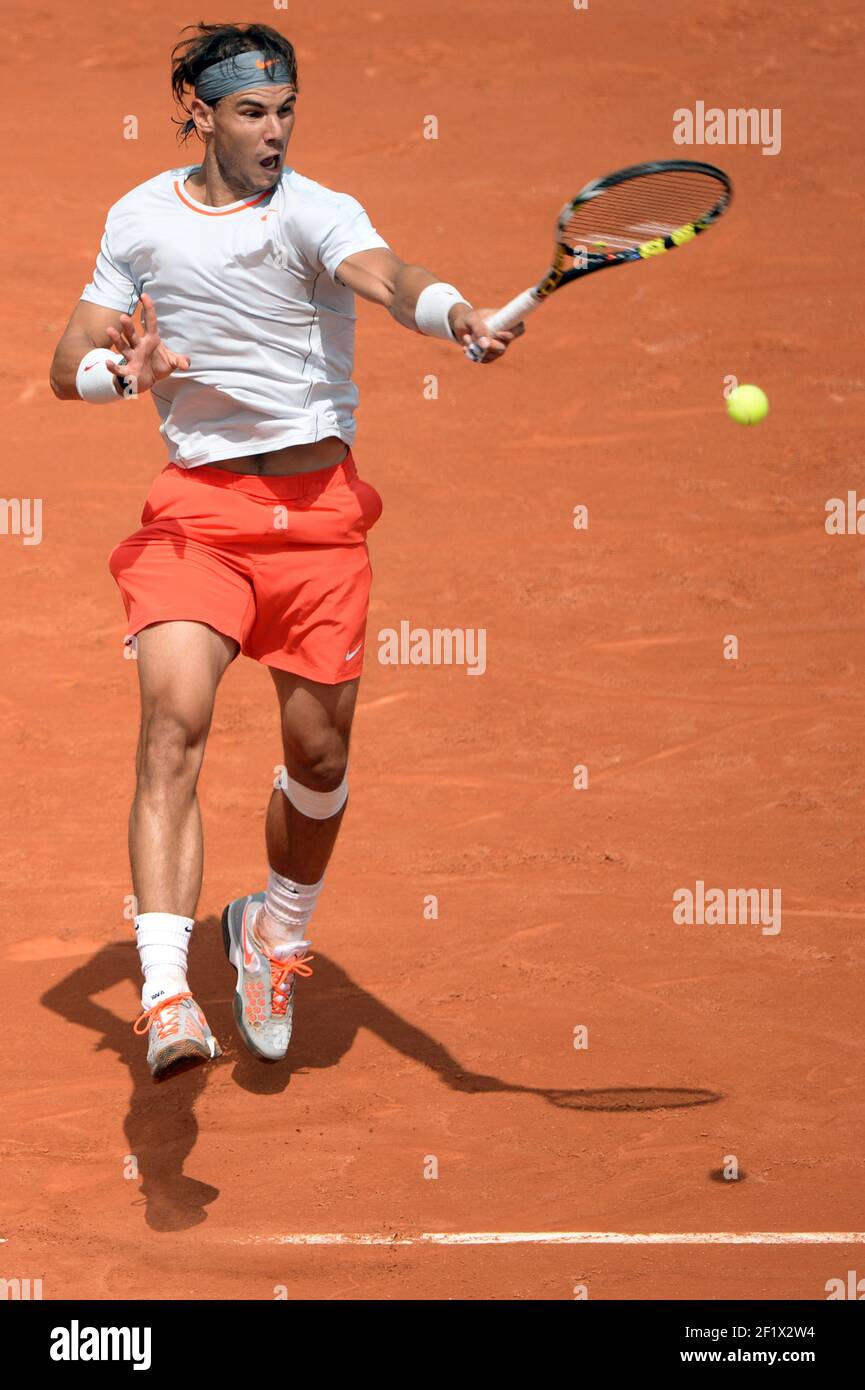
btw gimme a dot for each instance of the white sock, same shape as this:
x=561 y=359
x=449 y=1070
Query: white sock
x=163 y=941
x=290 y=905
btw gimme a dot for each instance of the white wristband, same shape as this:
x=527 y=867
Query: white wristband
x=93 y=381
x=432 y=309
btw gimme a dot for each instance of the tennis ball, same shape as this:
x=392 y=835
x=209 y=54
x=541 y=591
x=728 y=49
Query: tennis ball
x=747 y=405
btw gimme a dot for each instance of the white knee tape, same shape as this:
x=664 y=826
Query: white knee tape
x=316 y=805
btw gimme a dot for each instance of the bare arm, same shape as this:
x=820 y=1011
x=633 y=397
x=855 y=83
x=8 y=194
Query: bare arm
x=86 y=329
x=383 y=278
x=147 y=358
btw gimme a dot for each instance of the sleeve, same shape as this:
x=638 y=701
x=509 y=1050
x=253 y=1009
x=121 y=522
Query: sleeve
x=112 y=284
x=341 y=229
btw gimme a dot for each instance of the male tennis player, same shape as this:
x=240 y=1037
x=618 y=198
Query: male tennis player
x=253 y=537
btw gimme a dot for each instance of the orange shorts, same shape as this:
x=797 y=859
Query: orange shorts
x=280 y=564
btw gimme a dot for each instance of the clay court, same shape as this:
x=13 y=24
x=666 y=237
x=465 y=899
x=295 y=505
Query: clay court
x=452 y=1038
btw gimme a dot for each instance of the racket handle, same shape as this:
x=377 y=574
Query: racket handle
x=512 y=313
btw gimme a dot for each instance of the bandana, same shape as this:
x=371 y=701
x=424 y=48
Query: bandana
x=239 y=73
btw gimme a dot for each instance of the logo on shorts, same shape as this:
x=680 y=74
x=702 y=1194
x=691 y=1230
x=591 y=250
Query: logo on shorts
x=349 y=655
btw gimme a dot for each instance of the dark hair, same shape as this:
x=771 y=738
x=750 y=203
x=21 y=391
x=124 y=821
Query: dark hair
x=210 y=43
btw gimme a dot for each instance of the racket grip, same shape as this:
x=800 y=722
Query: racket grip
x=511 y=313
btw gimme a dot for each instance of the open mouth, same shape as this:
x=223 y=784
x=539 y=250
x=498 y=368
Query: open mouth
x=271 y=164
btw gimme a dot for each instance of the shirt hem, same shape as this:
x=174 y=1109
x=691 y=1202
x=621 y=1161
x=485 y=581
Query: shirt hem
x=245 y=451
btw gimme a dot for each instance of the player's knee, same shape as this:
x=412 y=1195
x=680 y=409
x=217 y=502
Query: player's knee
x=320 y=760
x=171 y=746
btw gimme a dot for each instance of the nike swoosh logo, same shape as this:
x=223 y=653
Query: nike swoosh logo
x=250 y=957
x=268 y=63
x=90 y=368
x=349 y=655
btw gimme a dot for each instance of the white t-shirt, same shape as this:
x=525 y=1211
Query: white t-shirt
x=247 y=293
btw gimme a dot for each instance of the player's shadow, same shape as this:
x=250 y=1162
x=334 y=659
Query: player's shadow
x=160 y=1126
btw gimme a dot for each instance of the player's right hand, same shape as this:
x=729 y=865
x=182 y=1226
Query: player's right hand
x=469 y=327
x=147 y=358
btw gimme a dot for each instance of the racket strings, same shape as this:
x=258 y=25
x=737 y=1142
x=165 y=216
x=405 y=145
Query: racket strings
x=625 y=215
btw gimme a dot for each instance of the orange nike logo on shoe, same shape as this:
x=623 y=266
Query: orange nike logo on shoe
x=250 y=957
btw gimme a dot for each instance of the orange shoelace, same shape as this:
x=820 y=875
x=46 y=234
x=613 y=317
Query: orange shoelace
x=281 y=972
x=165 y=1016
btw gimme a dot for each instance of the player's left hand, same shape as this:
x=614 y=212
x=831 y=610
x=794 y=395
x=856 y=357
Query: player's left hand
x=470 y=326
x=148 y=359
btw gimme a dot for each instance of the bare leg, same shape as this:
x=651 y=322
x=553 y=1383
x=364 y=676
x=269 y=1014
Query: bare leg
x=316 y=729
x=180 y=665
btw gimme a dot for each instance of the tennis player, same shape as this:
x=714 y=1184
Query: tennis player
x=253 y=538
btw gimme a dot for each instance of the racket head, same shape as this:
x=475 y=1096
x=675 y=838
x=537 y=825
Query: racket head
x=635 y=214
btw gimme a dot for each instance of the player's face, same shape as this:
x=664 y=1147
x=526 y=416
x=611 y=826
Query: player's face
x=251 y=131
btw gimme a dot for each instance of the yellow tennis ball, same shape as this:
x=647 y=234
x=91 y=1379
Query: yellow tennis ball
x=747 y=405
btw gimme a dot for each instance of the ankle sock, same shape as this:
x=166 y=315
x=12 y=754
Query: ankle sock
x=163 y=941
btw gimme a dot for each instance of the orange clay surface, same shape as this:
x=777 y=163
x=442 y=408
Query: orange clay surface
x=605 y=647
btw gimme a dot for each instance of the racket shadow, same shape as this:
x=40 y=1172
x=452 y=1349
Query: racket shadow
x=632 y=1098
x=604 y=1098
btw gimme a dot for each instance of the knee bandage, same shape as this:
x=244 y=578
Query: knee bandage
x=316 y=805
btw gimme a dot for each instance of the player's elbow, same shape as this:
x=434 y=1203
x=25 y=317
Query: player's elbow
x=60 y=379
x=62 y=389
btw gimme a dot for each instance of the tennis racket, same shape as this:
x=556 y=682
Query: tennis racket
x=630 y=216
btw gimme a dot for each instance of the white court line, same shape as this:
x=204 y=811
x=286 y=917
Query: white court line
x=571 y=1238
